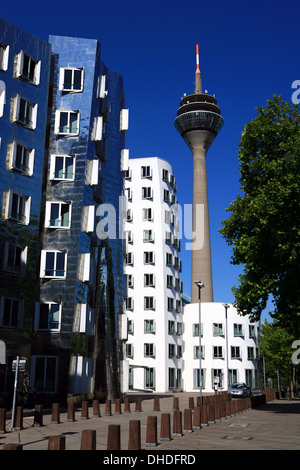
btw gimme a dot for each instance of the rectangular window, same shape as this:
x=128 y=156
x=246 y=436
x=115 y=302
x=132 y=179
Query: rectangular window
x=47 y=316
x=171 y=350
x=129 y=215
x=251 y=331
x=148 y=236
x=196 y=329
x=58 y=215
x=149 y=303
x=129 y=259
x=149 y=377
x=4 y=52
x=71 y=79
x=130 y=280
x=62 y=167
x=129 y=303
x=166 y=195
x=235 y=352
x=251 y=354
x=11 y=312
x=19 y=208
x=129 y=350
x=44 y=373
x=22 y=158
x=67 y=122
x=149 y=257
x=165 y=175
x=171 y=327
x=237 y=329
x=25 y=112
x=217 y=329
x=2 y=97
x=28 y=69
x=169 y=259
x=149 y=280
x=53 y=264
x=179 y=328
x=217 y=377
x=196 y=352
x=147 y=192
x=169 y=282
x=149 y=326
x=196 y=378
x=148 y=215
x=232 y=376
x=146 y=172
x=149 y=350
x=170 y=304
x=15 y=258
x=217 y=352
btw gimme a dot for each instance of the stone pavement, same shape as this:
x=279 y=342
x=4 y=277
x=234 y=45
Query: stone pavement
x=271 y=426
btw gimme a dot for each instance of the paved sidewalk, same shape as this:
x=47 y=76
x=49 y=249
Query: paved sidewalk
x=273 y=426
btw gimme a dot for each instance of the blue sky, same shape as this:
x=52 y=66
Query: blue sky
x=249 y=50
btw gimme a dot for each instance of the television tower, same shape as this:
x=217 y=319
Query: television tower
x=199 y=121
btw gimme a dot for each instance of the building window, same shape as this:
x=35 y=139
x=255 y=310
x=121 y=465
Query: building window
x=179 y=351
x=166 y=195
x=21 y=158
x=149 y=303
x=196 y=352
x=129 y=350
x=178 y=306
x=62 y=167
x=196 y=378
x=217 y=352
x=170 y=304
x=129 y=259
x=169 y=259
x=47 y=316
x=67 y=122
x=251 y=331
x=149 y=257
x=15 y=258
x=149 y=377
x=129 y=236
x=170 y=282
x=149 y=280
x=4 y=52
x=130 y=327
x=218 y=329
x=179 y=328
x=53 y=264
x=44 y=370
x=11 y=312
x=129 y=216
x=149 y=326
x=165 y=175
x=171 y=327
x=168 y=238
x=217 y=377
x=148 y=215
x=129 y=303
x=71 y=79
x=130 y=280
x=235 y=352
x=238 y=329
x=25 y=112
x=148 y=236
x=232 y=376
x=171 y=350
x=128 y=193
x=251 y=353
x=28 y=68
x=147 y=192
x=18 y=208
x=196 y=329
x=2 y=97
x=146 y=172
x=149 y=350
x=58 y=215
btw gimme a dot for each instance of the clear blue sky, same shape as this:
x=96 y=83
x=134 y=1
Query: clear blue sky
x=249 y=50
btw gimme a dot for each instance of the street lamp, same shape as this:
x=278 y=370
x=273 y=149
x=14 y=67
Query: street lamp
x=226 y=306
x=200 y=285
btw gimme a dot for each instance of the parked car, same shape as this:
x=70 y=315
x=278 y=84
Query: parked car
x=255 y=391
x=238 y=389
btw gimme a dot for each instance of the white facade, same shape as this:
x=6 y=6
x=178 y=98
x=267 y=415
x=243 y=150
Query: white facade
x=153 y=302
x=240 y=356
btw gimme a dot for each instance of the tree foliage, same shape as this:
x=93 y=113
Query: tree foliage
x=263 y=228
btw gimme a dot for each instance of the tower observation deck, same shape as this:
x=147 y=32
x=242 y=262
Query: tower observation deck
x=198 y=122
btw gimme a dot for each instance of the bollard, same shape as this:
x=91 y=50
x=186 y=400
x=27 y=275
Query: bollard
x=177 y=423
x=38 y=415
x=55 y=413
x=197 y=418
x=175 y=403
x=114 y=437
x=151 y=433
x=57 y=443
x=118 y=406
x=12 y=447
x=96 y=409
x=187 y=420
x=211 y=414
x=165 y=427
x=19 y=418
x=156 y=406
x=203 y=412
x=71 y=412
x=228 y=409
x=138 y=404
x=88 y=439
x=2 y=420
x=85 y=410
x=126 y=405
x=107 y=408
x=217 y=412
x=199 y=402
x=134 y=439
x=223 y=409
x=191 y=403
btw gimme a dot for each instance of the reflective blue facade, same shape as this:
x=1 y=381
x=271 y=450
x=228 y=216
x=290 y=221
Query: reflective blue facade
x=20 y=181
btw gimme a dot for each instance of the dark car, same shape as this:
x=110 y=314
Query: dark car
x=238 y=390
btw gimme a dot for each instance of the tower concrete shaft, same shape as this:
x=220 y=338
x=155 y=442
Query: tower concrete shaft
x=199 y=121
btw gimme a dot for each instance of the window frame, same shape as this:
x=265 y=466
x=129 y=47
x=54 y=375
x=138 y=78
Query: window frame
x=62 y=79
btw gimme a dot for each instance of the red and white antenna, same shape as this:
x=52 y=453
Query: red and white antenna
x=197 y=58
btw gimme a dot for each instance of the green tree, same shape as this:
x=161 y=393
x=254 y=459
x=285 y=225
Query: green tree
x=263 y=228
